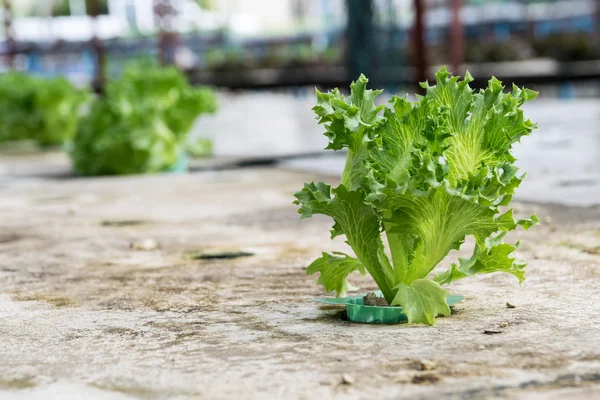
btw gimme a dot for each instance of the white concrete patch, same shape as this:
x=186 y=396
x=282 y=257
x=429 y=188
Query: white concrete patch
x=63 y=391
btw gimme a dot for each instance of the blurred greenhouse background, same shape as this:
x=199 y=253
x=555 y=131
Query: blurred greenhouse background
x=263 y=59
x=243 y=44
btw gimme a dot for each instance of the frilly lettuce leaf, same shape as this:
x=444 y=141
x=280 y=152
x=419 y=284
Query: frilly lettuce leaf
x=334 y=271
x=353 y=218
x=422 y=301
x=348 y=124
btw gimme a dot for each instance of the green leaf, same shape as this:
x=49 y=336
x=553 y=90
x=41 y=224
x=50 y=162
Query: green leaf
x=401 y=128
x=527 y=223
x=427 y=227
x=357 y=220
x=349 y=123
x=345 y=118
x=496 y=122
x=334 y=271
x=422 y=301
x=485 y=261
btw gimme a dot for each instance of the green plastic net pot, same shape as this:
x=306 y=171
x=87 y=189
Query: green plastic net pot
x=182 y=165
x=358 y=312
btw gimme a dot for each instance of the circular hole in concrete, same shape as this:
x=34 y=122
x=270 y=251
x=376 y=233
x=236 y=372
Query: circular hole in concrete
x=218 y=254
x=577 y=182
x=121 y=223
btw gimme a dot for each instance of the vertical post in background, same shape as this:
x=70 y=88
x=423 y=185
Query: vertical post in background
x=361 y=51
x=299 y=14
x=420 y=52
x=530 y=22
x=389 y=46
x=597 y=22
x=456 y=37
x=167 y=38
x=93 y=10
x=9 y=34
x=158 y=18
x=52 y=12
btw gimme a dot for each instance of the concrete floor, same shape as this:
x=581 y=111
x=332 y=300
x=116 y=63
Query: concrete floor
x=84 y=314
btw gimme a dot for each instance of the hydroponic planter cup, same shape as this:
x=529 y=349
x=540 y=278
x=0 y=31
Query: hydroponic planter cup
x=358 y=312
x=181 y=167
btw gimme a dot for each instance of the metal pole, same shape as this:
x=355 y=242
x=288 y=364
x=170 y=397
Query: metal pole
x=420 y=51
x=361 y=50
x=158 y=18
x=8 y=30
x=597 y=21
x=93 y=10
x=167 y=37
x=456 y=37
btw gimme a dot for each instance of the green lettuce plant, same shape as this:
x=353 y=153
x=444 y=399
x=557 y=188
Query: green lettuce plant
x=141 y=123
x=17 y=105
x=58 y=110
x=40 y=109
x=423 y=176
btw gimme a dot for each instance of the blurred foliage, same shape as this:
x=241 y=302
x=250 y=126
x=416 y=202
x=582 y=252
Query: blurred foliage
x=61 y=8
x=102 y=5
x=564 y=47
x=513 y=49
x=141 y=123
x=577 y=46
x=201 y=147
x=283 y=56
x=44 y=110
x=205 y=4
x=55 y=8
x=230 y=59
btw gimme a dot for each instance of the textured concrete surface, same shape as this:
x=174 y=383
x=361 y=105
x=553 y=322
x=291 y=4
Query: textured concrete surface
x=85 y=315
